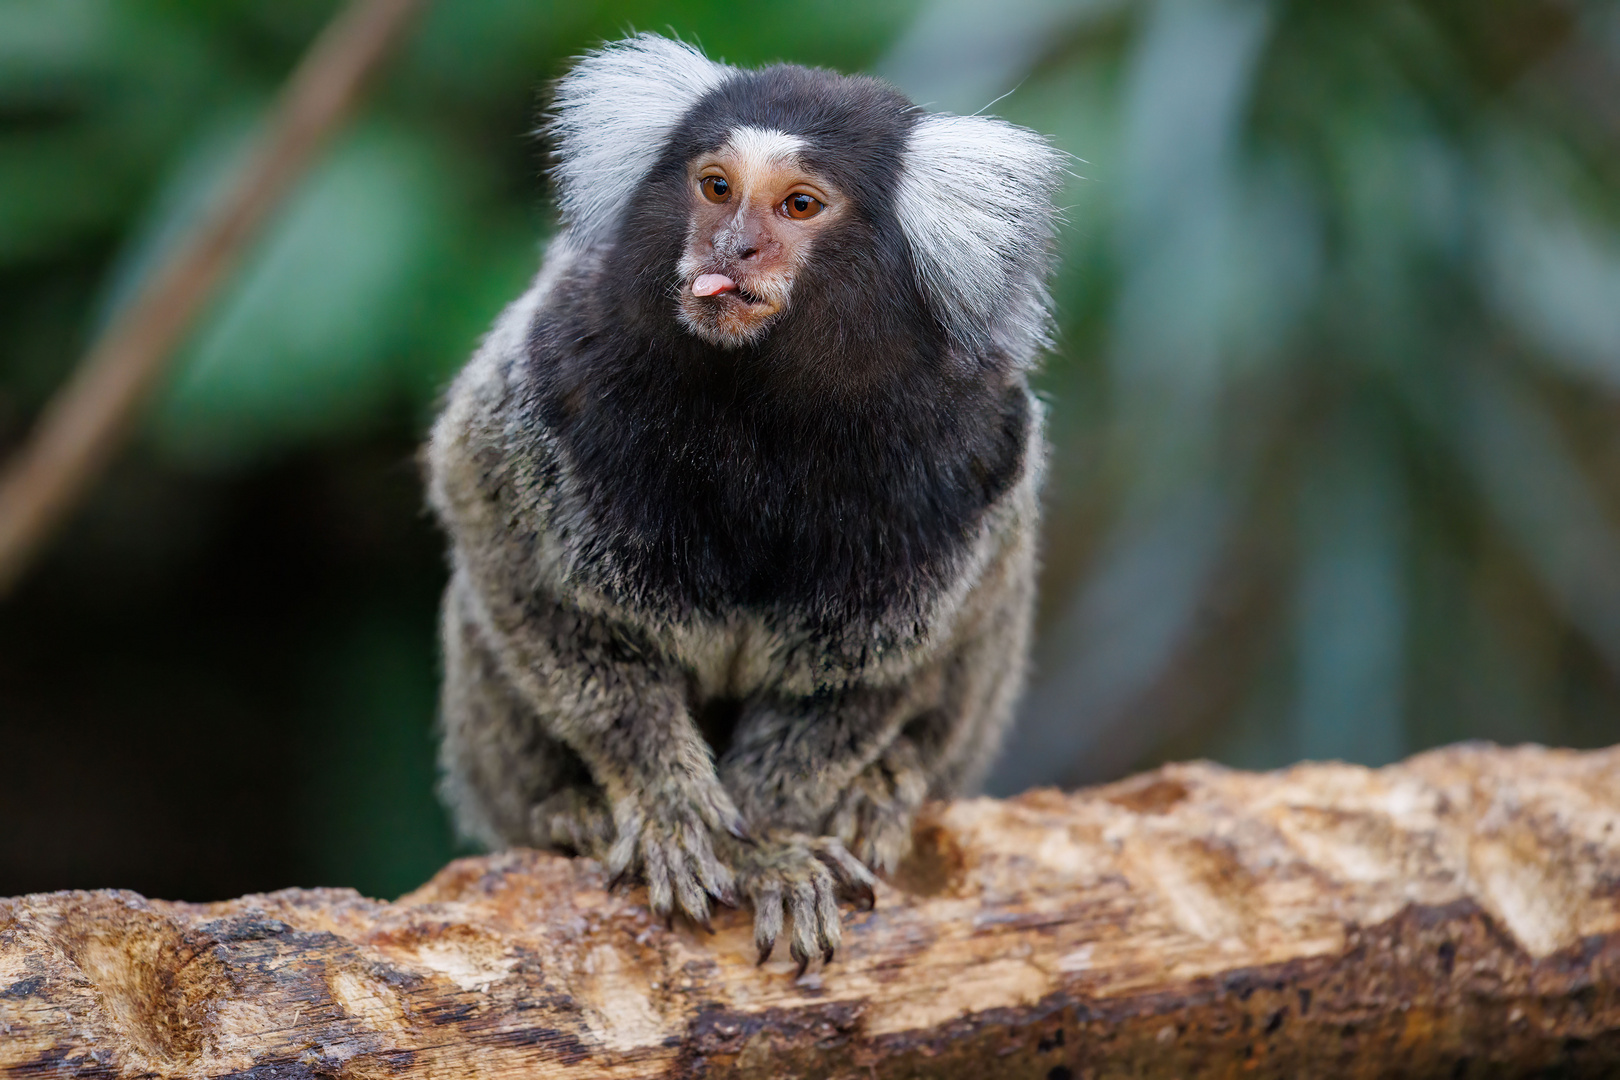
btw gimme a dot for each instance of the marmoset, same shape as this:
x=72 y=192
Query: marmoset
x=742 y=492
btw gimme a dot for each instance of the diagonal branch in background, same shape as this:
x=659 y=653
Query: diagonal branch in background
x=1455 y=915
x=83 y=425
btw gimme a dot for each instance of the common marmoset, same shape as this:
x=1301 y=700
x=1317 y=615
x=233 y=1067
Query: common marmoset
x=741 y=492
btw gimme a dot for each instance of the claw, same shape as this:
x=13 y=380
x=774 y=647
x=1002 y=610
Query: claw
x=808 y=933
x=660 y=896
x=692 y=899
x=829 y=925
x=767 y=920
x=866 y=898
x=827 y=957
x=804 y=965
x=617 y=881
x=845 y=867
x=714 y=877
x=765 y=950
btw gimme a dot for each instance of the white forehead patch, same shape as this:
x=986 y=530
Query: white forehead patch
x=756 y=149
x=975 y=202
x=612 y=115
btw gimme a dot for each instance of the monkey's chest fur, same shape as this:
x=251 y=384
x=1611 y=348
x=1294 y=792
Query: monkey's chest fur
x=715 y=494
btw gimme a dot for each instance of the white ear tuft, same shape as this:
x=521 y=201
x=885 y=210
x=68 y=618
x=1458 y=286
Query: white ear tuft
x=975 y=201
x=610 y=118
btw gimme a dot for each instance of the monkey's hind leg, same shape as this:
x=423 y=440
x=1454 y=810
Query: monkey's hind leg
x=874 y=813
x=505 y=778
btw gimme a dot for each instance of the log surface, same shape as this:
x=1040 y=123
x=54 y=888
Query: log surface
x=1455 y=915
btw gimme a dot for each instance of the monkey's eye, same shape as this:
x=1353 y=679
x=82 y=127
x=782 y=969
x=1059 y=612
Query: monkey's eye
x=800 y=206
x=715 y=188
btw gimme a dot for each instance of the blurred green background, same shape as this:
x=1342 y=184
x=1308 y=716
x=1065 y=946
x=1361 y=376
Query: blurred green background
x=1336 y=466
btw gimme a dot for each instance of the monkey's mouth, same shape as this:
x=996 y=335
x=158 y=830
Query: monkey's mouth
x=717 y=308
x=717 y=285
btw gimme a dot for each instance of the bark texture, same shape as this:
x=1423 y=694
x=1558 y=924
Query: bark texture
x=1456 y=915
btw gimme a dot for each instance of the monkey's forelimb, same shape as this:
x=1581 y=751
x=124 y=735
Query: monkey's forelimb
x=625 y=715
x=529 y=672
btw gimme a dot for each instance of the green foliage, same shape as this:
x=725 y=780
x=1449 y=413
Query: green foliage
x=1344 y=311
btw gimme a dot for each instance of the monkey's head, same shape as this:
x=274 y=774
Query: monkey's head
x=802 y=210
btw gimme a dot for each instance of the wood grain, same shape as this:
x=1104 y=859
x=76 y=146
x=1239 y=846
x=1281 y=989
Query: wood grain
x=1456 y=915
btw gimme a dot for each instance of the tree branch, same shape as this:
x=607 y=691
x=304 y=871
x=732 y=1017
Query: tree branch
x=1456 y=915
x=82 y=426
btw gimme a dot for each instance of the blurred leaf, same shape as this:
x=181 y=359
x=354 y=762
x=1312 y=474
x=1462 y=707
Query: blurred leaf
x=1125 y=627
x=305 y=343
x=1317 y=234
x=963 y=56
x=1351 y=600
x=371 y=804
x=41 y=40
x=1547 y=506
x=1554 y=269
x=48 y=195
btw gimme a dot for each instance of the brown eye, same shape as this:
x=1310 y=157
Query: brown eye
x=801 y=206
x=715 y=188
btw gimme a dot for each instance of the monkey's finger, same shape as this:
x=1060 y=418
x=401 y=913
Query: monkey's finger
x=620 y=860
x=693 y=900
x=854 y=880
x=843 y=824
x=726 y=894
x=702 y=920
x=829 y=926
x=717 y=882
x=714 y=874
x=767 y=919
x=736 y=826
x=719 y=812
x=849 y=870
x=659 y=894
x=802 y=906
x=623 y=853
x=866 y=898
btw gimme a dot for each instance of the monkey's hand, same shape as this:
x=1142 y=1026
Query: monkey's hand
x=791 y=873
x=874 y=812
x=665 y=835
x=575 y=820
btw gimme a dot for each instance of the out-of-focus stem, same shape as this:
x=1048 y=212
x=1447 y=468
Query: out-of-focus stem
x=82 y=427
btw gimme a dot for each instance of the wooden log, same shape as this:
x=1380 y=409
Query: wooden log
x=1455 y=915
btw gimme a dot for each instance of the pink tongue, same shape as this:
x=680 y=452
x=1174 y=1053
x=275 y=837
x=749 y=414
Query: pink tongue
x=712 y=285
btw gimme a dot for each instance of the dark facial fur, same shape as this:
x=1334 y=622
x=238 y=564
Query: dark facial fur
x=818 y=544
